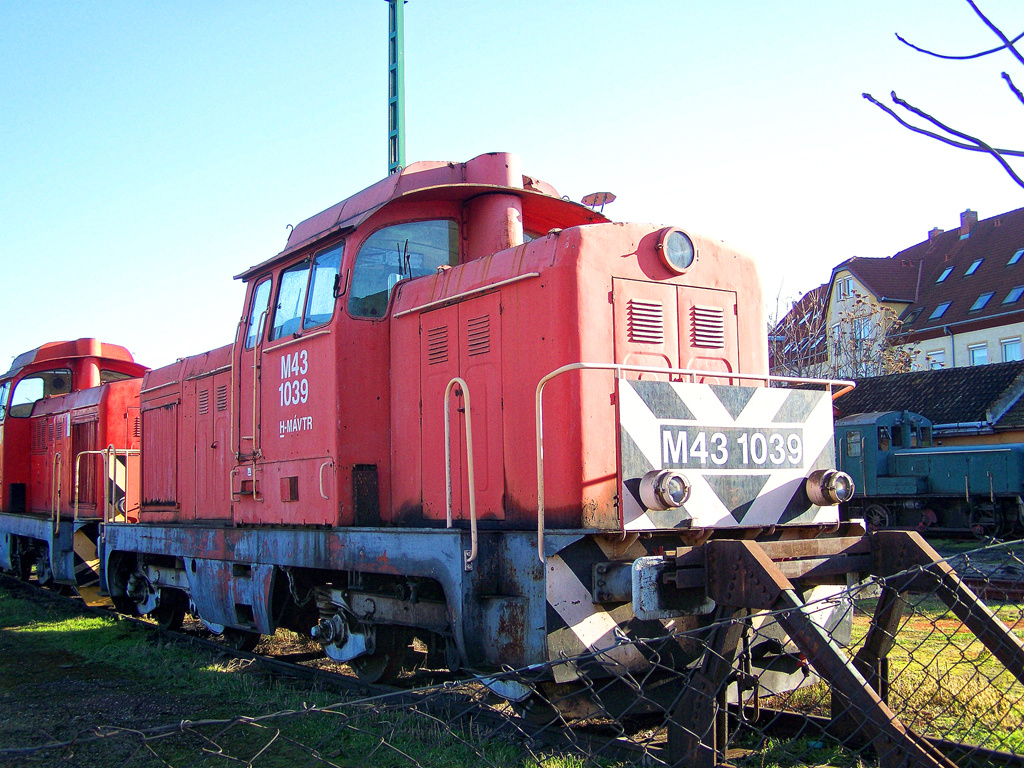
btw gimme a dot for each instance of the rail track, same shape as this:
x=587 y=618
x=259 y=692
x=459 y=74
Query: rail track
x=450 y=697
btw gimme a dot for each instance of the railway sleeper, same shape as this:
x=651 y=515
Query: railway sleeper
x=744 y=576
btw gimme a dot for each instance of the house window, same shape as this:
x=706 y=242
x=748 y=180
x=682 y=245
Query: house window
x=1016 y=257
x=981 y=302
x=940 y=310
x=1011 y=350
x=974 y=267
x=1014 y=294
x=945 y=274
x=845 y=286
x=978 y=353
x=936 y=359
x=862 y=328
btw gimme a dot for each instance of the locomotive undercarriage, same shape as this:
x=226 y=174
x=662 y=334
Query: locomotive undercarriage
x=982 y=516
x=382 y=602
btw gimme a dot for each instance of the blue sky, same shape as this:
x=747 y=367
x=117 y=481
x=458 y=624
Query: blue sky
x=151 y=151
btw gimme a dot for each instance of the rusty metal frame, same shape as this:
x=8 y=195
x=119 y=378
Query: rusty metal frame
x=743 y=575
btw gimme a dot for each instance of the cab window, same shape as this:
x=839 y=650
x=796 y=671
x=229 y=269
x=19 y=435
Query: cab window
x=853 y=443
x=291 y=298
x=399 y=252
x=4 y=389
x=323 y=287
x=108 y=376
x=883 y=438
x=257 y=315
x=36 y=387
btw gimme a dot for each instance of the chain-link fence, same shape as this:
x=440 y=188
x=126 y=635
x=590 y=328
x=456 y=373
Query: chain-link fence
x=902 y=670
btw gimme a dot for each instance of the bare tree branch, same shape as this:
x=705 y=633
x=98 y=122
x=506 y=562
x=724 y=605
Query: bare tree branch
x=956 y=58
x=1016 y=91
x=936 y=136
x=961 y=135
x=950 y=135
x=998 y=32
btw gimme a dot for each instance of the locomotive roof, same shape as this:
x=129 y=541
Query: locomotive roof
x=68 y=350
x=881 y=417
x=431 y=180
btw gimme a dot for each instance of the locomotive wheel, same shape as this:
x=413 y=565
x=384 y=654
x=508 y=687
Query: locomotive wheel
x=385 y=663
x=986 y=524
x=240 y=639
x=21 y=563
x=877 y=517
x=170 y=613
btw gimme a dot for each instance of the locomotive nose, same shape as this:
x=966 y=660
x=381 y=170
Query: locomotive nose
x=828 y=487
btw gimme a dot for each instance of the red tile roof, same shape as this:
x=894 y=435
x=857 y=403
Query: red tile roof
x=993 y=241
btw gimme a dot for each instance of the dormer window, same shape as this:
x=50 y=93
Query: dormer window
x=1014 y=294
x=1016 y=257
x=916 y=313
x=973 y=268
x=945 y=274
x=982 y=300
x=940 y=310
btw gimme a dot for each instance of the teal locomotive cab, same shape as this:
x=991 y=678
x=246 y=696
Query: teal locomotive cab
x=867 y=444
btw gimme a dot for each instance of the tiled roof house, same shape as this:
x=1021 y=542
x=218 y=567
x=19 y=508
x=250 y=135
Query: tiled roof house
x=796 y=344
x=959 y=295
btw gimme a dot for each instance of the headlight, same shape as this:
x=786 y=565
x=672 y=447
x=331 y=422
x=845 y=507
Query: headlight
x=664 y=489
x=828 y=487
x=676 y=249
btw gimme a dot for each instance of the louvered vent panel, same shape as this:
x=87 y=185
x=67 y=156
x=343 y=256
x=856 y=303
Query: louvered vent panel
x=709 y=327
x=137 y=428
x=222 y=397
x=39 y=436
x=50 y=430
x=437 y=345
x=204 y=402
x=645 y=321
x=478 y=335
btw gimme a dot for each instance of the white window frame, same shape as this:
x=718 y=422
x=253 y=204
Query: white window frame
x=936 y=359
x=974 y=349
x=1004 y=343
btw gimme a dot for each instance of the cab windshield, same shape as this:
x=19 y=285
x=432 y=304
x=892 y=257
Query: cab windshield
x=399 y=252
x=36 y=387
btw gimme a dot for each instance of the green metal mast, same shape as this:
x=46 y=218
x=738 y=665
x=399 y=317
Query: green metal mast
x=396 y=86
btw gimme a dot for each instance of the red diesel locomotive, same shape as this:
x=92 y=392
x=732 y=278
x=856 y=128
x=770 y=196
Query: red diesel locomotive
x=460 y=413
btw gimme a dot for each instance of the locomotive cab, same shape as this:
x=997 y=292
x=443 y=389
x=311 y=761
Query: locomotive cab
x=69 y=428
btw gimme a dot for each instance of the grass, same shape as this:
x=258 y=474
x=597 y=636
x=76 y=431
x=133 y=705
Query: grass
x=943 y=683
x=53 y=663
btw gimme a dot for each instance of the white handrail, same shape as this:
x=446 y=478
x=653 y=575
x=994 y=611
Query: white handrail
x=328 y=463
x=56 y=477
x=109 y=453
x=619 y=369
x=469 y=462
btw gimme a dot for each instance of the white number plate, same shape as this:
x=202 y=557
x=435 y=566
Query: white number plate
x=731 y=448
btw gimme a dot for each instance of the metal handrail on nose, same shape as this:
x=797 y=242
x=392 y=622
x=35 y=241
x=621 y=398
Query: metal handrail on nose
x=619 y=369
